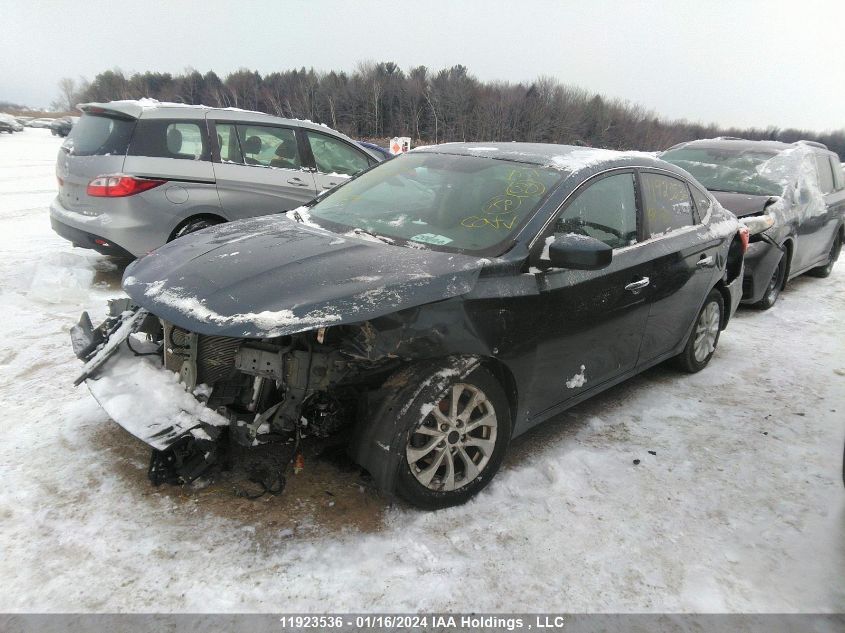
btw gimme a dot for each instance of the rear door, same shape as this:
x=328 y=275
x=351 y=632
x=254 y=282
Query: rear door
x=173 y=144
x=836 y=199
x=816 y=232
x=684 y=265
x=593 y=321
x=96 y=145
x=259 y=168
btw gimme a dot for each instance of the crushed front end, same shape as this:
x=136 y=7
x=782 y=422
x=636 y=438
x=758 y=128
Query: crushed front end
x=189 y=395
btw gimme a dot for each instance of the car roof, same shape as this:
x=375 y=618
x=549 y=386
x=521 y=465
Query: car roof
x=136 y=108
x=569 y=158
x=741 y=144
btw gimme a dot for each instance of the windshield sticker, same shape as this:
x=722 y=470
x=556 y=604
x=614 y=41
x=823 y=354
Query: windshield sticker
x=499 y=211
x=431 y=238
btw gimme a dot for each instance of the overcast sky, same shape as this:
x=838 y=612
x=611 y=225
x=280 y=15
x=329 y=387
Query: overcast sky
x=732 y=62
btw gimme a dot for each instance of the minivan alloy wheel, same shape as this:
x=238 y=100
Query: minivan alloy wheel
x=707 y=331
x=453 y=444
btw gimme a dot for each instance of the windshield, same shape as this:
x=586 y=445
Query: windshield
x=726 y=169
x=463 y=203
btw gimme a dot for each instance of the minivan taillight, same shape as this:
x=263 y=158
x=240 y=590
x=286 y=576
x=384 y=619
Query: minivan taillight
x=119 y=186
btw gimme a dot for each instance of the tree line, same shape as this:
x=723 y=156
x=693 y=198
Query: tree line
x=380 y=100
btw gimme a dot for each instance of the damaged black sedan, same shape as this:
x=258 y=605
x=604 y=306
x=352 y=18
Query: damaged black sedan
x=428 y=311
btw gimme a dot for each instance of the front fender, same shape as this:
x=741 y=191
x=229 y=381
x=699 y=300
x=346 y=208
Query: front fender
x=380 y=431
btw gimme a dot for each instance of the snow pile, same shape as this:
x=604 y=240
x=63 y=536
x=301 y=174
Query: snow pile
x=62 y=278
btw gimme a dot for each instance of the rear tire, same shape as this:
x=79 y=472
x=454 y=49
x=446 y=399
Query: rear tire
x=704 y=336
x=774 y=287
x=195 y=224
x=452 y=451
x=824 y=271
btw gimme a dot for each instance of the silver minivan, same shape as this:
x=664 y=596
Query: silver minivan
x=133 y=175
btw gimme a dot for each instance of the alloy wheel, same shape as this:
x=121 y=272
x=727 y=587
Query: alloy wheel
x=453 y=444
x=707 y=331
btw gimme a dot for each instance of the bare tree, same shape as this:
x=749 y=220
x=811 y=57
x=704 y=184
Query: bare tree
x=379 y=100
x=68 y=93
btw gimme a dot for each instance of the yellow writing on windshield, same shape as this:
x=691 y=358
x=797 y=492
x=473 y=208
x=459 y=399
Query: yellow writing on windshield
x=499 y=212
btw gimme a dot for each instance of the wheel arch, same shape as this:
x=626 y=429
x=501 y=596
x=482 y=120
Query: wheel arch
x=789 y=246
x=204 y=215
x=726 y=302
x=504 y=375
x=375 y=444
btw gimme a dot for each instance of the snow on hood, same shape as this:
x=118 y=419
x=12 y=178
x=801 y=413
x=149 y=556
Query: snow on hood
x=271 y=276
x=793 y=173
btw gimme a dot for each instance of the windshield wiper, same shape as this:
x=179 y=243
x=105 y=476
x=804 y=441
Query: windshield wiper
x=359 y=231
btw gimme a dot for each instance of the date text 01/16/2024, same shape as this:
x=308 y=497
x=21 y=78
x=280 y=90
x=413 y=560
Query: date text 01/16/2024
x=413 y=622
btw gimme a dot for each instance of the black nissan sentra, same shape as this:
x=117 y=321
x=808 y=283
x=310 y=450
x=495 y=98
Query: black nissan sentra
x=427 y=311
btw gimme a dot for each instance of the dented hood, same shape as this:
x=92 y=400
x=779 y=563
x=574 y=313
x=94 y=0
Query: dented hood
x=271 y=276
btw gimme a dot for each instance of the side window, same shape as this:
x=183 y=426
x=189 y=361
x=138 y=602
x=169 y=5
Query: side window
x=606 y=210
x=838 y=175
x=269 y=146
x=702 y=202
x=227 y=140
x=333 y=156
x=666 y=203
x=825 y=173
x=161 y=138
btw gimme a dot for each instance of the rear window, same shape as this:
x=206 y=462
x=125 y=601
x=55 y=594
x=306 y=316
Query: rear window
x=99 y=135
x=160 y=138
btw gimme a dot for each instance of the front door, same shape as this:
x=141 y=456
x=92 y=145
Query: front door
x=592 y=321
x=335 y=160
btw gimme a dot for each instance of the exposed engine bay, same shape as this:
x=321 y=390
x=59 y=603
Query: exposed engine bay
x=281 y=390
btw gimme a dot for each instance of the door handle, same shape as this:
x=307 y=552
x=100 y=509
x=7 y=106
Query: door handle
x=706 y=261
x=297 y=182
x=636 y=286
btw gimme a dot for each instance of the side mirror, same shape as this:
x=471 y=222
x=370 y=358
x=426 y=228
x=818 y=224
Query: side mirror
x=578 y=252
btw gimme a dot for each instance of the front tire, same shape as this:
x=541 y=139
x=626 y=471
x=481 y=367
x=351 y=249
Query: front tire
x=452 y=443
x=824 y=271
x=705 y=335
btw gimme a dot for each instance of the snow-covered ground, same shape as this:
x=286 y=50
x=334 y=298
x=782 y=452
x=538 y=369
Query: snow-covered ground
x=737 y=503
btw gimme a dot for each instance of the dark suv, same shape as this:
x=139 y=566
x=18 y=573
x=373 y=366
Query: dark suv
x=796 y=188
